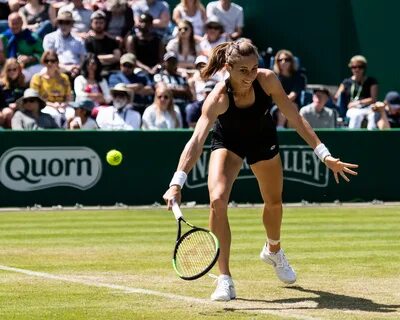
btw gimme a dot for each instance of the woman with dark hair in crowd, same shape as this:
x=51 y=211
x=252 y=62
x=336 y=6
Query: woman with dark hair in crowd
x=119 y=19
x=53 y=86
x=185 y=45
x=38 y=17
x=12 y=87
x=90 y=84
x=292 y=81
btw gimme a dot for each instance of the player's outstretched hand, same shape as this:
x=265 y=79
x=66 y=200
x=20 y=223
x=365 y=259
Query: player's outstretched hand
x=339 y=167
x=171 y=195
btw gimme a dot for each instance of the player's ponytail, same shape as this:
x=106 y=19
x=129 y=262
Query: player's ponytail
x=227 y=53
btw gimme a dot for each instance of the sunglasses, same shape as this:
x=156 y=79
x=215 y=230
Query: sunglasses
x=119 y=95
x=65 y=23
x=50 y=61
x=12 y=70
x=184 y=29
x=163 y=97
x=127 y=65
x=285 y=60
x=214 y=27
x=30 y=100
x=357 y=67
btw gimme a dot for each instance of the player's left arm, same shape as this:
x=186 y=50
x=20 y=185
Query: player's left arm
x=272 y=86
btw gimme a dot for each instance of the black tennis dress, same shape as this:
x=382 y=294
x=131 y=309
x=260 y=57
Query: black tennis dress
x=248 y=132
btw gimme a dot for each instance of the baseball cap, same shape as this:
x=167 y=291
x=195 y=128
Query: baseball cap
x=201 y=59
x=83 y=104
x=392 y=97
x=322 y=89
x=128 y=58
x=169 y=55
x=98 y=14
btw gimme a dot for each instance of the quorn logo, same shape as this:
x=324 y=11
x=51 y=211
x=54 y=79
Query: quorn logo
x=35 y=168
x=300 y=164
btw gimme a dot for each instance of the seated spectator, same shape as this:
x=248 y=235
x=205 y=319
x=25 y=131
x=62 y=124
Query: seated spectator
x=23 y=45
x=2 y=53
x=292 y=81
x=159 y=10
x=102 y=45
x=82 y=118
x=196 y=82
x=214 y=35
x=316 y=113
x=175 y=82
x=70 y=49
x=81 y=16
x=192 y=11
x=392 y=102
x=119 y=18
x=357 y=94
x=30 y=115
x=230 y=15
x=185 y=46
x=54 y=87
x=12 y=87
x=91 y=84
x=193 y=110
x=38 y=17
x=145 y=45
x=139 y=83
x=162 y=114
x=120 y=116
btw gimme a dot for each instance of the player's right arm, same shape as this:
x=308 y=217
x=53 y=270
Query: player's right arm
x=215 y=104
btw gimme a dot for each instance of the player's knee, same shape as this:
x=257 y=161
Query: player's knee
x=219 y=204
x=273 y=206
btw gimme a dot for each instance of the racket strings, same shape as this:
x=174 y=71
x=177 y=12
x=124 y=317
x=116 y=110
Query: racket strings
x=195 y=253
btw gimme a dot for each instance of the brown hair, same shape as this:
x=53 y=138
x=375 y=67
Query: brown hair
x=227 y=53
x=289 y=54
x=5 y=80
x=54 y=54
x=192 y=42
x=161 y=86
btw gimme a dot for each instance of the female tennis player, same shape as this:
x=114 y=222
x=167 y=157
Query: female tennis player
x=243 y=128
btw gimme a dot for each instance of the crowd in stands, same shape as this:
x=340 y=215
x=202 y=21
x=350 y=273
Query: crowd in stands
x=135 y=64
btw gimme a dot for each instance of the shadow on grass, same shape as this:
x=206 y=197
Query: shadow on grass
x=325 y=300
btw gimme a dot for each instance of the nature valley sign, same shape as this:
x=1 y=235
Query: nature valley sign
x=300 y=164
x=35 y=168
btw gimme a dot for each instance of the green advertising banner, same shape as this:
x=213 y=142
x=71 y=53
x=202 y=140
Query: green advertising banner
x=66 y=168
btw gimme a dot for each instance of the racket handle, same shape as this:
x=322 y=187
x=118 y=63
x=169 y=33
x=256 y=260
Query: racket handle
x=176 y=210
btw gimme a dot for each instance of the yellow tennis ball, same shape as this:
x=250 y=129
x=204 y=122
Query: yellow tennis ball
x=114 y=157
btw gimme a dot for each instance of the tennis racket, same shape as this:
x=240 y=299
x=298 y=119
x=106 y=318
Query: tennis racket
x=196 y=251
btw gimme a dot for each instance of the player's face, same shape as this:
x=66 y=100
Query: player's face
x=244 y=72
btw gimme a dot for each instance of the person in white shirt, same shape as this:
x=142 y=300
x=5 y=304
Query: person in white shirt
x=162 y=114
x=120 y=116
x=82 y=118
x=230 y=15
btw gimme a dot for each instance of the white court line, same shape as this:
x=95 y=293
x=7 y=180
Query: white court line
x=229 y=305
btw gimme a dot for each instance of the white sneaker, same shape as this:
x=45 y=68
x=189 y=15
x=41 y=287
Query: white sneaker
x=225 y=290
x=282 y=267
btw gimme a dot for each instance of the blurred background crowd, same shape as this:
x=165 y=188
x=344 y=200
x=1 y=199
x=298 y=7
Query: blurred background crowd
x=135 y=64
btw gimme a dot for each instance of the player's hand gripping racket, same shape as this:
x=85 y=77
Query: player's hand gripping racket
x=196 y=251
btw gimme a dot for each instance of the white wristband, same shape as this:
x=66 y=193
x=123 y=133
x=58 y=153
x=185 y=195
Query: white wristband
x=178 y=179
x=322 y=152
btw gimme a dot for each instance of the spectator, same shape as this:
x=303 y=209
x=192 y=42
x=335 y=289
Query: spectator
x=392 y=102
x=192 y=11
x=81 y=16
x=230 y=15
x=23 y=45
x=70 y=49
x=292 y=81
x=175 y=82
x=102 y=45
x=37 y=17
x=91 y=84
x=185 y=46
x=2 y=53
x=30 y=115
x=82 y=118
x=316 y=113
x=12 y=87
x=159 y=10
x=196 y=82
x=162 y=114
x=193 y=110
x=145 y=45
x=120 y=116
x=214 y=35
x=54 y=87
x=139 y=83
x=357 y=93
x=119 y=20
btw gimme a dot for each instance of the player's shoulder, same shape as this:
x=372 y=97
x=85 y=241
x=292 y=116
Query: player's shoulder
x=218 y=99
x=263 y=74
